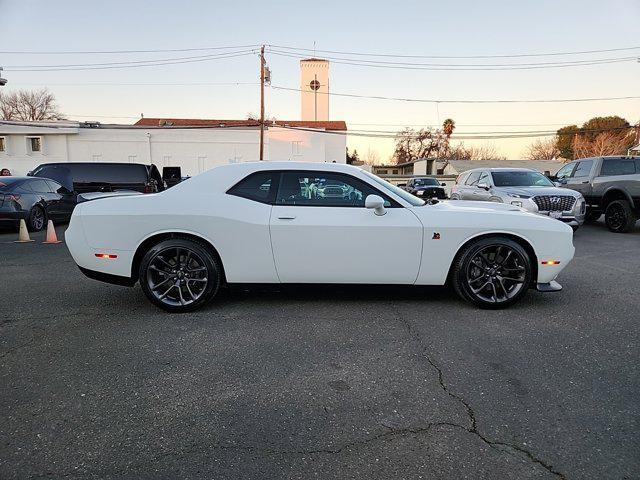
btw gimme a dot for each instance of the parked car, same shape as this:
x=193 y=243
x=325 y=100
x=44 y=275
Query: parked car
x=610 y=185
x=171 y=176
x=102 y=176
x=35 y=200
x=256 y=223
x=524 y=188
x=426 y=187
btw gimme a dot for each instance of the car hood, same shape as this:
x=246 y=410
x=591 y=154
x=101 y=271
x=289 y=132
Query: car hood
x=480 y=207
x=534 y=191
x=426 y=187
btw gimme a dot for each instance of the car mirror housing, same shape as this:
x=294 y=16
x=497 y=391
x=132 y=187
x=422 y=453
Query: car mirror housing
x=376 y=203
x=443 y=184
x=484 y=186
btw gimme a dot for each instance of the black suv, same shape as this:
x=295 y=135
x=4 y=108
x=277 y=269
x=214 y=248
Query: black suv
x=82 y=177
x=426 y=187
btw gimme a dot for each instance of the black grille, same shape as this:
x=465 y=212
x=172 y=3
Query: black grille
x=554 y=203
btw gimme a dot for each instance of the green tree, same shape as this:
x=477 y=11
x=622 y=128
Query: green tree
x=564 y=141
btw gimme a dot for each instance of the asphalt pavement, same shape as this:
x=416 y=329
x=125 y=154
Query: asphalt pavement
x=320 y=382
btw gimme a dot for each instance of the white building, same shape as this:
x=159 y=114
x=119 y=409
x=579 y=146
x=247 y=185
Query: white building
x=314 y=89
x=194 y=145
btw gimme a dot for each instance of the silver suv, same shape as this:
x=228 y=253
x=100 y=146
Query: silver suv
x=524 y=188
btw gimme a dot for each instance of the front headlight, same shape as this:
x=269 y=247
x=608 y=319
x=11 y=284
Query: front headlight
x=420 y=192
x=517 y=204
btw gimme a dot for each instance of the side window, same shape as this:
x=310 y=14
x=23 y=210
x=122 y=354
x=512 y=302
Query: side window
x=484 y=178
x=259 y=187
x=40 y=186
x=583 y=169
x=473 y=179
x=618 y=166
x=324 y=189
x=565 y=171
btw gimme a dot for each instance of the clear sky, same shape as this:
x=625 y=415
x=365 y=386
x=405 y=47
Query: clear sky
x=394 y=27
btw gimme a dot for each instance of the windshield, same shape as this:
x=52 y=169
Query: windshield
x=421 y=182
x=520 y=179
x=415 y=201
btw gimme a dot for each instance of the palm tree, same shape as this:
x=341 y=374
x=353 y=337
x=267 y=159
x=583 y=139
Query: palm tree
x=448 y=126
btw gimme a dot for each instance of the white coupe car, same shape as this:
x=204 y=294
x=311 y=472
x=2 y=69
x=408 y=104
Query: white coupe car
x=261 y=223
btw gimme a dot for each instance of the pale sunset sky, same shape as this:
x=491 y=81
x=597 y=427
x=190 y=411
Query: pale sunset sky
x=462 y=28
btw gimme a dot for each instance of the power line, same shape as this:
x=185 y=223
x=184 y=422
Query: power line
x=424 y=100
x=462 y=67
x=103 y=52
x=147 y=63
x=397 y=55
x=133 y=84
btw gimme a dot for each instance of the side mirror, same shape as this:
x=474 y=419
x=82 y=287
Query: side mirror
x=484 y=186
x=443 y=184
x=376 y=203
x=402 y=185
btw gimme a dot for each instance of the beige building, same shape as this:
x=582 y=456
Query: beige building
x=314 y=90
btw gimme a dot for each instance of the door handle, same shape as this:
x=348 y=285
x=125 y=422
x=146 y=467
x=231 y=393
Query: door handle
x=286 y=217
x=586 y=181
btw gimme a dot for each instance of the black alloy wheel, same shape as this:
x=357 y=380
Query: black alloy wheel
x=37 y=219
x=493 y=272
x=619 y=216
x=180 y=275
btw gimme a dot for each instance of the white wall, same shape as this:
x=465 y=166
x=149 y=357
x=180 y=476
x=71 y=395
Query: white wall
x=195 y=150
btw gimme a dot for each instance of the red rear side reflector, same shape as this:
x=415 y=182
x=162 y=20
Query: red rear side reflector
x=106 y=255
x=551 y=262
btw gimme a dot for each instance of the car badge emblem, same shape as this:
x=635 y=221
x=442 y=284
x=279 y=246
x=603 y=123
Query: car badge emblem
x=554 y=199
x=436 y=236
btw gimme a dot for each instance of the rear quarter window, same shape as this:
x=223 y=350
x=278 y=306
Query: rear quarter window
x=619 y=166
x=259 y=187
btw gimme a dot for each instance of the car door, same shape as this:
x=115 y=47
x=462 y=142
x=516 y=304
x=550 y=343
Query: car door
x=469 y=190
x=321 y=232
x=580 y=179
x=483 y=194
x=562 y=175
x=66 y=202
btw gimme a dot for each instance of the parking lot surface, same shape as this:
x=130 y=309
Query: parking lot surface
x=320 y=382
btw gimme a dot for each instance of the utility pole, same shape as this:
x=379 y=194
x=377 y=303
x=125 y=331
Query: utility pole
x=262 y=65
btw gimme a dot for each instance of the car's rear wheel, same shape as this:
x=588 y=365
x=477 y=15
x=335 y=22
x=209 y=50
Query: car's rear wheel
x=180 y=275
x=492 y=272
x=619 y=216
x=37 y=219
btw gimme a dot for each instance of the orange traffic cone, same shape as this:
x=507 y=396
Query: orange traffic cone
x=23 y=236
x=51 y=233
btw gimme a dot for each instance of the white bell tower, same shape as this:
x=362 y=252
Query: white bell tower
x=314 y=89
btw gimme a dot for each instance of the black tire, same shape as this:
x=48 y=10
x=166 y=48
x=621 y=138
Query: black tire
x=575 y=228
x=470 y=273
x=192 y=272
x=592 y=216
x=619 y=216
x=37 y=219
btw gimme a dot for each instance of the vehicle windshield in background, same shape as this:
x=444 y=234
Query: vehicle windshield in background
x=412 y=199
x=423 y=182
x=520 y=179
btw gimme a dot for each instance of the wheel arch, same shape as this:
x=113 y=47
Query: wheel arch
x=523 y=242
x=158 y=237
x=615 y=193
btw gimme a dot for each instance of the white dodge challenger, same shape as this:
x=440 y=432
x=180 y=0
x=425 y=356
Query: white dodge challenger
x=290 y=222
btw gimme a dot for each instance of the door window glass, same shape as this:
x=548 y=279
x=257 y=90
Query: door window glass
x=618 y=166
x=484 y=178
x=39 y=186
x=56 y=187
x=565 y=171
x=259 y=186
x=320 y=189
x=583 y=169
x=473 y=179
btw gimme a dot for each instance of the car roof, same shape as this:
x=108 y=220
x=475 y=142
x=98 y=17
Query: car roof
x=501 y=169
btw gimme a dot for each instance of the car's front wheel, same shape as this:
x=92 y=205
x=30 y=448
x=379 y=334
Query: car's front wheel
x=180 y=275
x=492 y=272
x=37 y=219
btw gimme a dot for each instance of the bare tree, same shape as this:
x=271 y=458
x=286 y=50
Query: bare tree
x=605 y=143
x=424 y=143
x=460 y=151
x=29 y=105
x=542 y=149
x=371 y=157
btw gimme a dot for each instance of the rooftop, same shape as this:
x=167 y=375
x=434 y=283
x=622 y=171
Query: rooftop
x=337 y=125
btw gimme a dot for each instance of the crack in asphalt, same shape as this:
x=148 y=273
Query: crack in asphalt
x=473 y=427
